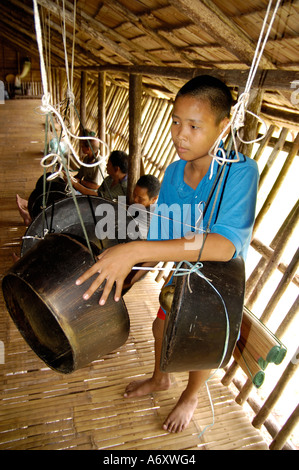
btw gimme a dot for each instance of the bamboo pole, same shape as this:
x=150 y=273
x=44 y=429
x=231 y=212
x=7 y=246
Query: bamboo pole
x=257 y=272
x=270 y=424
x=275 y=394
x=281 y=288
x=114 y=108
x=277 y=185
x=230 y=373
x=274 y=153
x=166 y=146
x=249 y=365
x=264 y=143
x=83 y=100
x=284 y=236
x=281 y=438
x=146 y=109
x=135 y=94
x=102 y=111
x=169 y=158
x=285 y=324
x=155 y=132
x=267 y=252
x=161 y=141
x=150 y=118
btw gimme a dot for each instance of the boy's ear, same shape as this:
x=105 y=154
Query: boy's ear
x=154 y=199
x=223 y=125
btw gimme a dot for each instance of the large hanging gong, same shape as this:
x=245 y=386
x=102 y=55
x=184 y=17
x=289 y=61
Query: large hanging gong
x=195 y=331
x=64 y=330
x=106 y=222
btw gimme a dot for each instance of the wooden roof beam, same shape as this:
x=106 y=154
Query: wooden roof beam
x=206 y=15
x=264 y=79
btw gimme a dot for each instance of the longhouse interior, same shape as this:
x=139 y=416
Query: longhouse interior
x=114 y=67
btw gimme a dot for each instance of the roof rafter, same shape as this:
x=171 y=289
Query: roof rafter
x=208 y=16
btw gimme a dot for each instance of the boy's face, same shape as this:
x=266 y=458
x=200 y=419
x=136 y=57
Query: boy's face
x=194 y=129
x=140 y=196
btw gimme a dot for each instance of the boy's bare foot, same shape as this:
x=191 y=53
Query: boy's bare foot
x=23 y=209
x=181 y=415
x=140 y=388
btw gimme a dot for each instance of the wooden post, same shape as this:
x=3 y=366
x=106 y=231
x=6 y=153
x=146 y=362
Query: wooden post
x=102 y=110
x=251 y=123
x=135 y=95
x=83 y=101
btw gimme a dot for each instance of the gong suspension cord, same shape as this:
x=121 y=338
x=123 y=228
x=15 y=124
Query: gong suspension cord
x=47 y=107
x=57 y=158
x=72 y=190
x=240 y=109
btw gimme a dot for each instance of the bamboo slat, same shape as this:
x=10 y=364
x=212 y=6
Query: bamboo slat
x=260 y=340
x=256 y=347
x=249 y=365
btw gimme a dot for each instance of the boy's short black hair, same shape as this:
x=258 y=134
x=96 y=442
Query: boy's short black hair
x=211 y=89
x=120 y=159
x=151 y=183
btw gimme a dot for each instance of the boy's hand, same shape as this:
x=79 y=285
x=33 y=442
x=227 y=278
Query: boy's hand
x=113 y=266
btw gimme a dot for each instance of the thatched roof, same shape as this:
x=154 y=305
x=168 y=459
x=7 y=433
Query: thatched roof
x=169 y=41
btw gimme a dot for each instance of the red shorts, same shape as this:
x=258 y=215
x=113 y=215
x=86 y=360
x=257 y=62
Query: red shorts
x=161 y=314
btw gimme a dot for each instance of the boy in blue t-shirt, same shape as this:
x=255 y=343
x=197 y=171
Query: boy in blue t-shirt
x=200 y=114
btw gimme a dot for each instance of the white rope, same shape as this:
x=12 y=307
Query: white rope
x=74 y=42
x=70 y=93
x=47 y=107
x=240 y=109
x=40 y=49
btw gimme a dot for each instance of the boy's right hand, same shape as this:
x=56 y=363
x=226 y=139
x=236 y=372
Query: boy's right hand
x=113 y=266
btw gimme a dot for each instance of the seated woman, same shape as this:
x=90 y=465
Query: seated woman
x=87 y=176
x=115 y=184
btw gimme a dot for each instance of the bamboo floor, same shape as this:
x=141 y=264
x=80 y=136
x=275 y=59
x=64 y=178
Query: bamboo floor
x=41 y=409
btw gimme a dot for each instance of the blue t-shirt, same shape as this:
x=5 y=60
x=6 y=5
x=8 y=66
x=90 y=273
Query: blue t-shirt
x=179 y=206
